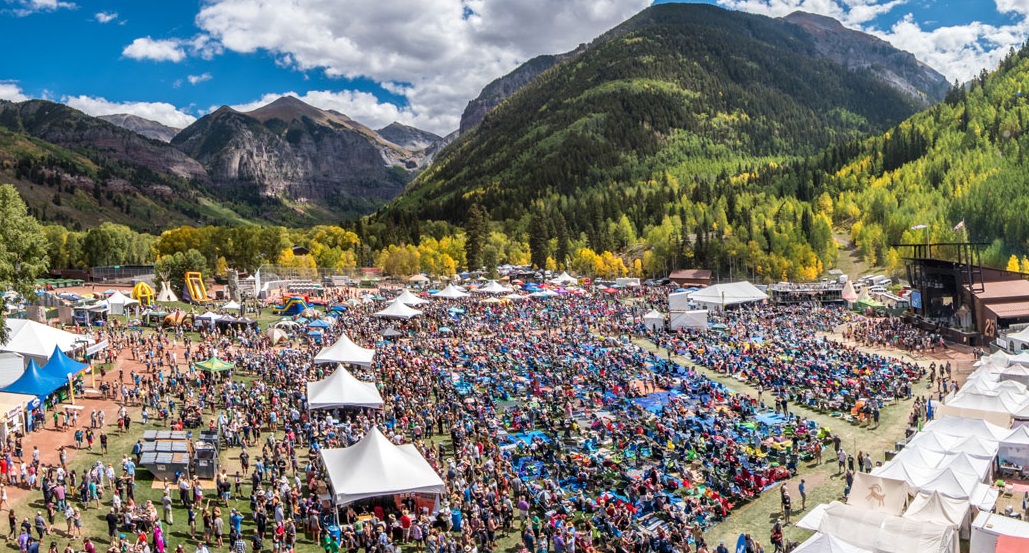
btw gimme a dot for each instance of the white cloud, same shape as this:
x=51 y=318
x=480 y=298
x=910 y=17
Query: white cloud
x=11 y=91
x=441 y=51
x=197 y=79
x=1013 y=6
x=156 y=111
x=106 y=17
x=363 y=107
x=959 y=52
x=29 y=7
x=848 y=12
x=156 y=50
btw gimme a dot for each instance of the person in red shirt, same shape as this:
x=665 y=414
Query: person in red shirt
x=405 y=525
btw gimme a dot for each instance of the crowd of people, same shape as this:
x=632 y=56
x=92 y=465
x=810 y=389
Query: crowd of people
x=893 y=332
x=544 y=418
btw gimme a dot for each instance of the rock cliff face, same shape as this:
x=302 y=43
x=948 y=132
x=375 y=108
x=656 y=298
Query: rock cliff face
x=145 y=127
x=70 y=128
x=293 y=150
x=408 y=137
x=859 y=51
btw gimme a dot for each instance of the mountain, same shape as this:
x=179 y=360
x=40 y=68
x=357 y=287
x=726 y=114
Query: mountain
x=681 y=93
x=300 y=154
x=859 y=51
x=408 y=137
x=139 y=125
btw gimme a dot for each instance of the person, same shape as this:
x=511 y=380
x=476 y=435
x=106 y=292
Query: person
x=841 y=458
x=112 y=523
x=721 y=548
x=802 y=488
x=87 y=546
x=166 y=503
x=787 y=506
x=239 y=545
x=776 y=537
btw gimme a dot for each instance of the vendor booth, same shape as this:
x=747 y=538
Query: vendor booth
x=12 y=413
x=345 y=351
x=342 y=389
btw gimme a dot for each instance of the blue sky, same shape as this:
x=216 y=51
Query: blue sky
x=416 y=61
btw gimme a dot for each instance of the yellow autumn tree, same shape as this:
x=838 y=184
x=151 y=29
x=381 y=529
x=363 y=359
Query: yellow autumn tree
x=1013 y=264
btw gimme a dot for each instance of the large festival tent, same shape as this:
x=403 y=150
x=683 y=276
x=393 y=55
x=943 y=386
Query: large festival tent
x=696 y=318
x=12 y=365
x=344 y=350
x=37 y=341
x=938 y=508
x=881 y=532
x=996 y=533
x=375 y=467
x=824 y=543
x=655 y=320
x=963 y=426
x=409 y=299
x=118 y=302
x=34 y=381
x=1014 y=448
x=451 y=292
x=397 y=310
x=720 y=296
x=342 y=389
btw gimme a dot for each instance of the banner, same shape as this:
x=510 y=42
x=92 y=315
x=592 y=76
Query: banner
x=875 y=493
x=100 y=346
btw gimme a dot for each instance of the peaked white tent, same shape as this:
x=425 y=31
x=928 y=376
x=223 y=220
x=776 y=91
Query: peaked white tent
x=877 y=493
x=962 y=426
x=975 y=446
x=409 y=299
x=824 y=543
x=37 y=341
x=451 y=292
x=232 y=305
x=375 y=467
x=1014 y=448
x=493 y=287
x=655 y=320
x=940 y=509
x=118 y=302
x=397 y=310
x=884 y=533
x=344 y=350
x=721 y=296
x=166 y=295
x=564 y=278
x=342 y=389
x=1017 y=341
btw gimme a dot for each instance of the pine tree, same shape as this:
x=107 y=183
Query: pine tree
x=477 y=232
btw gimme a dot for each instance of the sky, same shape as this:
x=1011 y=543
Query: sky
x=418 y=62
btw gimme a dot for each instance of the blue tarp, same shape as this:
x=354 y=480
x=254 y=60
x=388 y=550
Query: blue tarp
x=34 y=381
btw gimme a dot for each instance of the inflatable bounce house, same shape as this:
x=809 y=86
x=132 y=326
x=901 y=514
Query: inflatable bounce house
x=292 y=306
x=195 y=291
x=143 y=293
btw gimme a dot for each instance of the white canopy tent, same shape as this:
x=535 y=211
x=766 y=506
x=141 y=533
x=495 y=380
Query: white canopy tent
x=975 y=446
x=409 y=299
x=342 y=389
x=564 y=278
x=824 y=543
x=963 y=426
x=687 y=319
x=655 y=320
x=12 y=366
x=941 y=509
x=992 y=531
x=679 y=301
x=37 y=341
x=166 y=295
x=720 y=296
x=494 y=287
x=451 y=292
x=1014 y=448
x=397 y=310
x=887 y=495
x=344 y=350
x=118 y=302
x=375 y=467
x=232 y=305
x=884 y=533
x=1016 y=342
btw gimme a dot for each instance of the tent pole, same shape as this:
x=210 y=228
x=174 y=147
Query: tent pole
x=71 y=388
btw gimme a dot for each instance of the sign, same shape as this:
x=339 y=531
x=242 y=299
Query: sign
x=100 y=346
x=34 y=404
x=916 y=299
x=741 y=544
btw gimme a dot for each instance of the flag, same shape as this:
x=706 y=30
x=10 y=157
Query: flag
x=919 y=227
x=960 y=225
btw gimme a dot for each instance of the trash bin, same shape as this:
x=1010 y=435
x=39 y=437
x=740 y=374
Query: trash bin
x=335 y=533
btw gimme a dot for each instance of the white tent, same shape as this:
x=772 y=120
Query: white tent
x=375 y=467
x=962 y=426
x=687 y=319
x=679 y=301
x=409 y=299
x=36 y=340
x=1016 y=342
x=342 y=389
x=564 y=278
x=232 y=305
x=276 y=335
x=992 y=531
x=118 y=302
x=397 y=310
x=975 y=446
x=885 y=533
x=655 y=320
x=451 y=292
x=345 y=351
x=494 y=287
x=418 y=278
x=515 y=296
x=1014 y=448
x=720 y=296
x=209 y=317
x=824 y=543
x=12 y=366
x=959 y=462
x=166 y=295
x=877 y=493
x=940 y=509
x=1004 y=401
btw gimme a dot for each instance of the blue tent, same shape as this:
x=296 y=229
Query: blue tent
x=61 y=366
x=319 y=324
x=34 y=381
